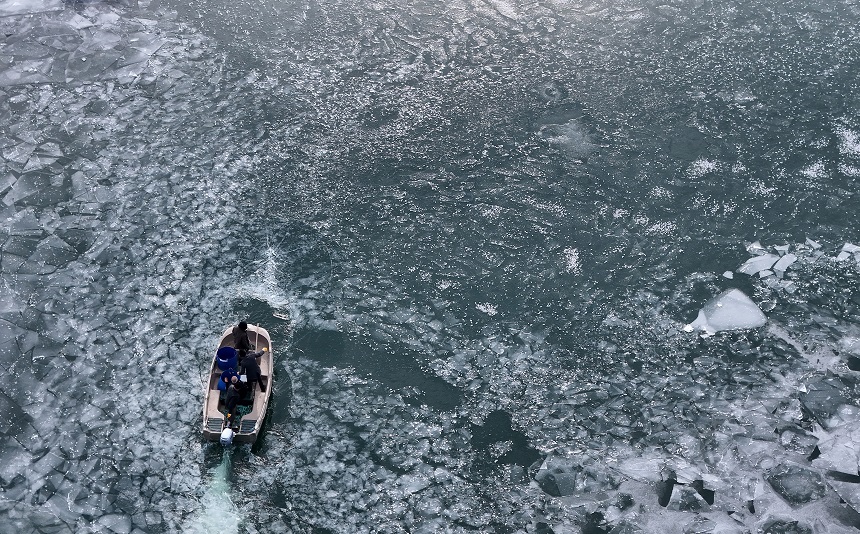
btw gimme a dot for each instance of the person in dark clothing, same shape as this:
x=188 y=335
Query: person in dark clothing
x=231 y=403
x=252 y=369
x=231 y=378
x=227 y=377
x=240 y=337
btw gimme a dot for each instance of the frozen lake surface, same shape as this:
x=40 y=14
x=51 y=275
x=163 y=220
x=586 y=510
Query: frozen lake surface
x=529 y=267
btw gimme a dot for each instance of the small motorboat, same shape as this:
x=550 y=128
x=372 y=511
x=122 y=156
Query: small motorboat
x=252 y=407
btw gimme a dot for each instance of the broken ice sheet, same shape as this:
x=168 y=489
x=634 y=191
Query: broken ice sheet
x=780 y=266
x=730 y=310
x=758 y=263
x=839 y=444
x=90 y=66
x=28 y=7
x=145 y=43
x=848 y=250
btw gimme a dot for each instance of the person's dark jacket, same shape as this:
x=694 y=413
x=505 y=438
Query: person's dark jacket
x=230 y=403
x=240 y=339
x=252 y=369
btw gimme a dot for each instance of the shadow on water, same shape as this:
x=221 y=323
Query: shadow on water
x=396 y=370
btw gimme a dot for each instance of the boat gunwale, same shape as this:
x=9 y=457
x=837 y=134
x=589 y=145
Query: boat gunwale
x=267 y=361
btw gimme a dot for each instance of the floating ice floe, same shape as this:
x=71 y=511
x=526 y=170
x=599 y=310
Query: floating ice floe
x=782 y=264
x=756 y=248
x=848 y=250
x=730 y=310
x=758 y=263
x=814 y=244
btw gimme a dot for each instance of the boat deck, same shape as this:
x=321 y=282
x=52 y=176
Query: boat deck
x=214 y=414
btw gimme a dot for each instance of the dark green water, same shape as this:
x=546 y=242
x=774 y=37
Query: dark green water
x=486 y=223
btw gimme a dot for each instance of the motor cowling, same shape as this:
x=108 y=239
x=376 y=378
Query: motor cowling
x=227 y=436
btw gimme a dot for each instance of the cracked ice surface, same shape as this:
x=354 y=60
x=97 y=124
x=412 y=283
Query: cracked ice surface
x=720 y=427
x=27 y=7
x=408 y=194
x=114 y=229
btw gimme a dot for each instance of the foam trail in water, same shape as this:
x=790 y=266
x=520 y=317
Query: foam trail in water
x=263 y=284
x=217 y=512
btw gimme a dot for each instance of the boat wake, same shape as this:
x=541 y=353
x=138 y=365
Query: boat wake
x=217 y=512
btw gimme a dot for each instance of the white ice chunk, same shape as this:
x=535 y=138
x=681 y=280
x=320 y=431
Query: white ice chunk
x=730 y=310
x=781 y=249
x=101 y=40
x=756 y=248
x=850 y=248
x=51 y=150
x=758 y=263
x=814 y=244
x=728 y=274
x=843 y=256
x=487 y=307
x=783 y=263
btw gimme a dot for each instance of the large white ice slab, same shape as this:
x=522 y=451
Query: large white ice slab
x=730 y=310
x=758 y=263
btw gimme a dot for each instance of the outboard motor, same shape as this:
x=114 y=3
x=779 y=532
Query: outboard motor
x=227 y=436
